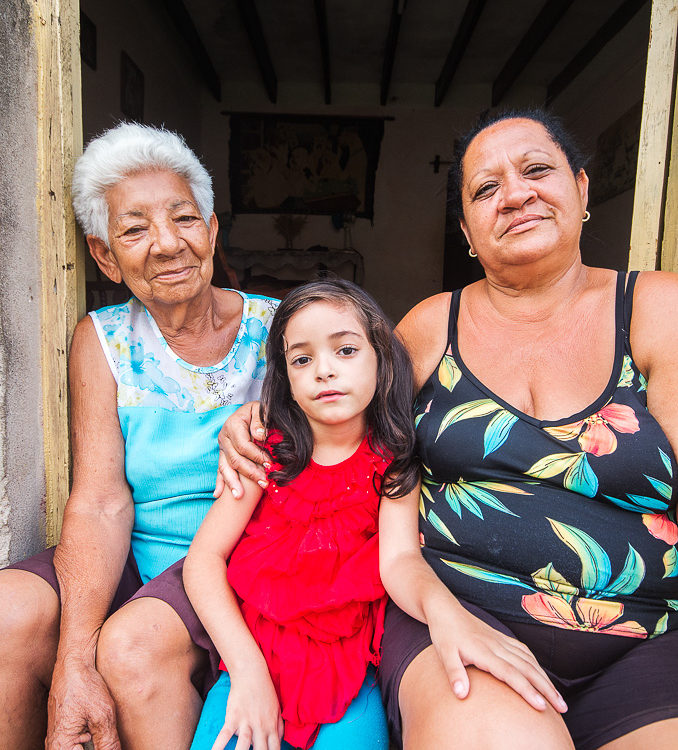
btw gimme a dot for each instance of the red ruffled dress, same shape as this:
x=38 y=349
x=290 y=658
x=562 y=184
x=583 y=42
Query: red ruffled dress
x=307 y=573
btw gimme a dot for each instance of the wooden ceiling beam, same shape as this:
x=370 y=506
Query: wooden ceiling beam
x=588 y=52
x=324 y=38
x=391 y=44
x=184 y=25
x=463 y=36
x=252 y=23
x=536 y=35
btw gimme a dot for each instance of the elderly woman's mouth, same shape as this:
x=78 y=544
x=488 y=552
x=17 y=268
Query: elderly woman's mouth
x=174 y=274
x=523 y=223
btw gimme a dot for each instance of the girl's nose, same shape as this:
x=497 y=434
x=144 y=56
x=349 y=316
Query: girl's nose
x=324 y=369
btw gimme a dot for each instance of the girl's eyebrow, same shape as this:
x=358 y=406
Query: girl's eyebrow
x=336 y=335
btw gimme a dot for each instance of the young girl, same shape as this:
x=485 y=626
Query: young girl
x=297 y=613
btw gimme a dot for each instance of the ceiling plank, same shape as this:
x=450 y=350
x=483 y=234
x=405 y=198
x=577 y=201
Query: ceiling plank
x=184 y=25
x=324 y=38
x=536 y=35
x=587 y=53
x=252 y=23
x=463 y=36
x=390 y=50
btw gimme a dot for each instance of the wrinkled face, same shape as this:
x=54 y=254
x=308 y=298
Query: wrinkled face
x=159 y=244
x=521 y=201
x=331 y=365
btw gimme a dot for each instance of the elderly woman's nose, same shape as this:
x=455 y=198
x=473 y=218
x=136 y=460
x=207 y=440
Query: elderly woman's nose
x=166 y=237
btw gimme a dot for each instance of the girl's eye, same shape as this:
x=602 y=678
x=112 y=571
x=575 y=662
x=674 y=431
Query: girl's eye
x=301 y=361
x=347 y=350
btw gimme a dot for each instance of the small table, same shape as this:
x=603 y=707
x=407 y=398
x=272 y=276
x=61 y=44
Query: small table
x=301 y=261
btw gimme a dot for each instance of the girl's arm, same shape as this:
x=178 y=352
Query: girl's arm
x=253 y=711
x=460 y=638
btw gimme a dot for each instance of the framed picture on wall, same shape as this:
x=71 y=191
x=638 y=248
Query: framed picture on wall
x=304 y=164
x=131 y=89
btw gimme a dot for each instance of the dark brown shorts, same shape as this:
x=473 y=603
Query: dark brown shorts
x=612 y=684
x=168 y=587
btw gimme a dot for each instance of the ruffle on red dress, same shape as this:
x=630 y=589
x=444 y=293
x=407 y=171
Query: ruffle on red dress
x=307 y=572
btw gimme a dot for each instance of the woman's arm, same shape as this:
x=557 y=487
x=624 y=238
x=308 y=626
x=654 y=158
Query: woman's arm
x=253 y=710
x=94 y=545
x=654 y=343
x=460 y=638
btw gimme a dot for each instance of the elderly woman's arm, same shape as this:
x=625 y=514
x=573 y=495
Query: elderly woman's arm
x=93 y=548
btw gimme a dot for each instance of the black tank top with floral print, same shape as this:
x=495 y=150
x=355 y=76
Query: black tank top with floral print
x=571 y=522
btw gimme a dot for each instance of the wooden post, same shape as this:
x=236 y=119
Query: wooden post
x=656 y=192
x=56 y=27
x=670 y=239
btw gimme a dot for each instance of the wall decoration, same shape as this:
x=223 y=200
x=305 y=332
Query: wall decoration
x=304 y=164
x=613 y=168
x=131 y=89
x=88 y=41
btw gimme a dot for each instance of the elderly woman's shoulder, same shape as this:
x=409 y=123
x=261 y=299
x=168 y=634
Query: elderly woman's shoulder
x=431 y=312
x=656 y=294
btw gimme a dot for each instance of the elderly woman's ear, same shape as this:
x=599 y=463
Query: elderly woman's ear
x=104 y=258
x=213 y=228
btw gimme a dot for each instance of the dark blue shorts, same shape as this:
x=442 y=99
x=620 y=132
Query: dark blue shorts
x=611 y=684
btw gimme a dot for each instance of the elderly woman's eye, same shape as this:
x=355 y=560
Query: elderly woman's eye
x=485 y=189
x=535 y=170
x=133 y=230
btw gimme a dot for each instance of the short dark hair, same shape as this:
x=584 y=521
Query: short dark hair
x=389 y=415
x=551 y=123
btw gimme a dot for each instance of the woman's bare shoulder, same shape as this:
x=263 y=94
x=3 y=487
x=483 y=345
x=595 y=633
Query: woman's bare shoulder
x=424 y=332
x=654 y=325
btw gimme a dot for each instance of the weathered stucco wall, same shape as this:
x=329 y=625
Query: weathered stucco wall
x=22 y=486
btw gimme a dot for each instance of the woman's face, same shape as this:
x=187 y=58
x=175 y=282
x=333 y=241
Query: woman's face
x=159 y=244
x=521 y=201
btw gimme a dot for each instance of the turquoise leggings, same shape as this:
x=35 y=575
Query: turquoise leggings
x=362 y=727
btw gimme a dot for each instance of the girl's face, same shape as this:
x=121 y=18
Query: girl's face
x=331 y=365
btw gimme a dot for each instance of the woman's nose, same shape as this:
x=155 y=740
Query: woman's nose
x=516 y=192
x=166 y=238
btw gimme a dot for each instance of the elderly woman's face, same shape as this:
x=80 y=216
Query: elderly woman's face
x=520 y=199
x=158 y=241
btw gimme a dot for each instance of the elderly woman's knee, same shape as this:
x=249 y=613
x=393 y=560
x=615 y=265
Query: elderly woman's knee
x=138 y=640
x=29 y=618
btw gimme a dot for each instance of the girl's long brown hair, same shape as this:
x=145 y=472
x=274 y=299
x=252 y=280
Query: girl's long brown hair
x=389 y=415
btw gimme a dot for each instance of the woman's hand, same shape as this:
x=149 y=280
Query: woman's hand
x=80 y=709
x=253 y=714
x=468 y=641
x=238 y=454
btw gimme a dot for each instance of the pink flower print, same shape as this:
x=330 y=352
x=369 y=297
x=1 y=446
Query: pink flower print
x=597 y=438
x=661 y=527
x=592 y=615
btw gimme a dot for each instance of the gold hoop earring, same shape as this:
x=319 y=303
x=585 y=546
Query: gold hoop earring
x=587 y=216
x=471 y=253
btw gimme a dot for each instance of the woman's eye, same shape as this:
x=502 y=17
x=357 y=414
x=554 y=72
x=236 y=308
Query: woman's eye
x=187 y=219
x=485 y=190
x=133 y=230
x=536 y=170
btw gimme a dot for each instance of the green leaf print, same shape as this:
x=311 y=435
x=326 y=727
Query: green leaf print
x=626 y=377
x=666 y=461
x=665 y=490
x=549 y=579
x=440 y=527
x=452 y=499
x=660 y=629
x=595 y=564
x=673 y=603
x=448 y=372
x=580 y=477
x=551 y=466
x=486 y=575
x=497 y=431
x=630 y=577
x=470 y=410
x=670 y=563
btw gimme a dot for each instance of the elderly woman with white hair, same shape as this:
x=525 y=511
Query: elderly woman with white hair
x=102 y=623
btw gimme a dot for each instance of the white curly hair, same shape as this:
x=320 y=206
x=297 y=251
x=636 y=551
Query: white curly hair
x=127 y=149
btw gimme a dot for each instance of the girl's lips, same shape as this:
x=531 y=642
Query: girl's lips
x=329 y=396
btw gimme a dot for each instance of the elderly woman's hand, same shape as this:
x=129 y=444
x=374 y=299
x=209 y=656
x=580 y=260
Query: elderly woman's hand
x=80 y=709
x=238 y=453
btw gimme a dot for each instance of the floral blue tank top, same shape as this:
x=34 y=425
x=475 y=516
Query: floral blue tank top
x=170 y=414
x=570 y=523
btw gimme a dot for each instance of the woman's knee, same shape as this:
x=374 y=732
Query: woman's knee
x=29 y=621
x=140 y=642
